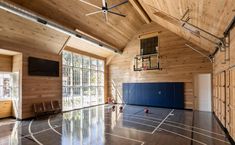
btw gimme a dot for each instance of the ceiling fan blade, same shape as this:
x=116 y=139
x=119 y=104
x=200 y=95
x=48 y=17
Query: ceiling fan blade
x=90 y=4
x=114 y=6
x=104 y=3
x=94 y=13
x=106 y=16
x=117 y=14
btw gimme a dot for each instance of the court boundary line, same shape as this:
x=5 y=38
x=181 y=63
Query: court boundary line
x=186 y=129
x=32 y=135
x=49 y=123
x=183 y=136
x=142 y=143
x=142 y=131
x=176 y=123
x=145 y=118
x=170 y=113
x=168 y=131
x=121 y=136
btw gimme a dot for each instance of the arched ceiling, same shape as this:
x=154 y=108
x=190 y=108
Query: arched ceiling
x=117 y=32
x=210 y=15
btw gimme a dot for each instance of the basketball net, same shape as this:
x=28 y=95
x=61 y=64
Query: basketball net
x=145 y=67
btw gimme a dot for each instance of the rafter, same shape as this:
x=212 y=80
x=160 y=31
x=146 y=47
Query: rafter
x=140 y=10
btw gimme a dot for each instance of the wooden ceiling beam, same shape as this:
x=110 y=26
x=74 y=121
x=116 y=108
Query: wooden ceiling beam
x=168 y=18
x=140 y=10
x=71 y=49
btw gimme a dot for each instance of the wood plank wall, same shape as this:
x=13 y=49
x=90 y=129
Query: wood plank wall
x=224 y=86
x=34 y=88
x=179 y=64
x=5 y=63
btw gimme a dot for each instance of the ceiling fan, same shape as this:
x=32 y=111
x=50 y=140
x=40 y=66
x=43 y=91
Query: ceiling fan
x=105 y=9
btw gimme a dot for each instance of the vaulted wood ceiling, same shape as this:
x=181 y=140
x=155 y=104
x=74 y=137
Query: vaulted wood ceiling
x=22 y=33
x=19 y=32
x=117 y=32
x=210 y=15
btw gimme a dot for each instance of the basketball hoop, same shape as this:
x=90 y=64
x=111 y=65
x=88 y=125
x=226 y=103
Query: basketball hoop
x=147 y=62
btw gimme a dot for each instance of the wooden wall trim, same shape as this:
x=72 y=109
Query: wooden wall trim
x=68 y=48
x=140 y=10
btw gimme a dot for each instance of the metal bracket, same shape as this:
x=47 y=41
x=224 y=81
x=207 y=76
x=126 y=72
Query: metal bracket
x=185 y=21
x=208 y=57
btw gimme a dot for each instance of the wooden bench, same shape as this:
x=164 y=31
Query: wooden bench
x=47 y=108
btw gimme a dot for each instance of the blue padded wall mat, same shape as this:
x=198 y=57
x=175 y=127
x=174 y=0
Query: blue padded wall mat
x=170 y=95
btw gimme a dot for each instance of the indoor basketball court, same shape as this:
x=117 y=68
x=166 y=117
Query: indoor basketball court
x=117 y=72
x=131 y=125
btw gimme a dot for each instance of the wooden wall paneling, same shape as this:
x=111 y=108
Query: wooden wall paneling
x=215 y=95
x=227 y=101
x=228 y=67
x=179 y=63
x=218 y=95
x=214 y=92
x=36 y=88
x=232 y=48
x=6 y=108
x=5 y=63
x=219 y=98
x=232 y=122
x=224 y=102
x=222 y=99
x=232 y=103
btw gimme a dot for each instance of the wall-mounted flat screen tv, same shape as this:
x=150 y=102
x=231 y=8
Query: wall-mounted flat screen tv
x=42 y=67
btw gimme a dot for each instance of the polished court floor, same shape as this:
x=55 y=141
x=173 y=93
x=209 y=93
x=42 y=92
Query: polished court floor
x=101 y=125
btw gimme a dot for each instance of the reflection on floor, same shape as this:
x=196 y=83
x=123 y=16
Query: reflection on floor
x=101 y=125
x=7 y=121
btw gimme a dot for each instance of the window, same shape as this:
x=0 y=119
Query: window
x=5 y=86
x=148 y=45
x=83 y=81
x=9 y=87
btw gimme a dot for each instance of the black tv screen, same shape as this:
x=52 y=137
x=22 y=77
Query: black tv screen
x=42 y=67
